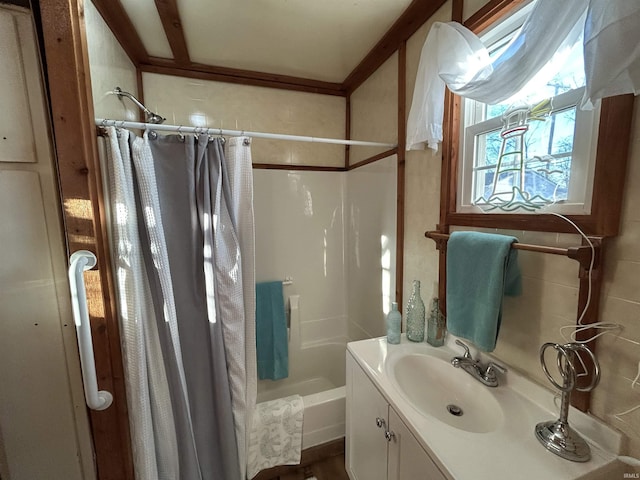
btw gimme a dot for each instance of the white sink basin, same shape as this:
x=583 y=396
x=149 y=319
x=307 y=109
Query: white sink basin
x=494 y=438
x=435 y=388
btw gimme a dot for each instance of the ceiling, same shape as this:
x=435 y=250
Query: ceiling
x=323 y=44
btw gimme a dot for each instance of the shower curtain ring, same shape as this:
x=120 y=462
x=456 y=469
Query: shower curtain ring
x=180 y=135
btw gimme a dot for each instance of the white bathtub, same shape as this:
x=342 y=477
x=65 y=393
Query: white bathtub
x=318 y=374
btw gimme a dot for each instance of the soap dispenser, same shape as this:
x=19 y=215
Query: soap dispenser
x=436 y=321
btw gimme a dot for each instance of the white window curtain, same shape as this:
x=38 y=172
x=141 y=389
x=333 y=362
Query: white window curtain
x=455 y=57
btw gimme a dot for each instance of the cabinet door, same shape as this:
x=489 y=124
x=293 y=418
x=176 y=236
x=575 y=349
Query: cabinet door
x=366 y=444
x=407 y=459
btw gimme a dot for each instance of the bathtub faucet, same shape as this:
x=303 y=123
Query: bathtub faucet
x=486 y=375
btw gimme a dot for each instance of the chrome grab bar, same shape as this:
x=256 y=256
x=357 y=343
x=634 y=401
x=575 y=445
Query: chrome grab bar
x=79 y=262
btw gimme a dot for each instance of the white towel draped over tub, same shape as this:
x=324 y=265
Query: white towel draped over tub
x=276 y=435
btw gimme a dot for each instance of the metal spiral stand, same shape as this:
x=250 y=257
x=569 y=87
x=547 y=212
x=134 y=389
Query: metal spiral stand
x=557 y=436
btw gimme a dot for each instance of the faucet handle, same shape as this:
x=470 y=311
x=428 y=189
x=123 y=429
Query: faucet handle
x=490 y=372
x=467 y=354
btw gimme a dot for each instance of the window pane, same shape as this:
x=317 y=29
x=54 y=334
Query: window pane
x=529 y=163
x=568 y=74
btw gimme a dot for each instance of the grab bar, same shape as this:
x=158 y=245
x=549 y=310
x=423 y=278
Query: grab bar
x=79 y=262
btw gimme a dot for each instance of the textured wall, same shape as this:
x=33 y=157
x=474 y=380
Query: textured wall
x=374 y=111
x=110 y=68
x=185 y=101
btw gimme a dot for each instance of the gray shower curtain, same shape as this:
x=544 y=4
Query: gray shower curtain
x=182 y=236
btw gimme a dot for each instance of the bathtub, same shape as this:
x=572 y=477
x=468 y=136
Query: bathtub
x=316 y=372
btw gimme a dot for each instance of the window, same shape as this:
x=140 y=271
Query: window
x=536 y=151
x=607 y=143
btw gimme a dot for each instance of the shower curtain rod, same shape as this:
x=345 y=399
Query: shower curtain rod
x=102 y=122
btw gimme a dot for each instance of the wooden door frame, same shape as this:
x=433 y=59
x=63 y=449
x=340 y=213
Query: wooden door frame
x=76 y=157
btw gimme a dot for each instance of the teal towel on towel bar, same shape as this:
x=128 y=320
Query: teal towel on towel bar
x=272 y=345
x=481 y=269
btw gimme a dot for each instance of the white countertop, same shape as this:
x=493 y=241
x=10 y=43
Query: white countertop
x=511 y=451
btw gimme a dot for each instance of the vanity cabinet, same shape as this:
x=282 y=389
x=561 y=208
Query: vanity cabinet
x=379 y=446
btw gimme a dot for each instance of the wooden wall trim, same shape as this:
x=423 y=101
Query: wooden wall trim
x=291 y=166
x=170 y=18
x=140 y=95
x=120 y=24
x=406 y=25
x=76 y=159
x=457 y=10
x=244 y=77
x=491 y=12
x=373 y=158
x=614 y=135
x=347 y=132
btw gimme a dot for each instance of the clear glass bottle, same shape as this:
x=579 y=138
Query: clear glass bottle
x=415 y=313
x=436 y=322
x=394 y=319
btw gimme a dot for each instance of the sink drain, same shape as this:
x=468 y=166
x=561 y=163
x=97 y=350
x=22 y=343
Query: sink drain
x=454 y=410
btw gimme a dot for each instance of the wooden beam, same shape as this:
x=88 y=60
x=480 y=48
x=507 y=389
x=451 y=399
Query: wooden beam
x=457 y=10
x=407 y=24
x=72 y=114
x=170 y=17
x=140 y=95
x=347 y=132
x=491 y=13
x=293 y=166
x=373 y=158
x=243 y=77
x=120 y=24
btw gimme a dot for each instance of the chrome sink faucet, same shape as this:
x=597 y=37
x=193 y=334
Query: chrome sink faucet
x=486 y=375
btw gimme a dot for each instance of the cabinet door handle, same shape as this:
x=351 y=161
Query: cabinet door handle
x=380 y=423
x=389 y=435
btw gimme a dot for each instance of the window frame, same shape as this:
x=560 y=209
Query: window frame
x=612 y=148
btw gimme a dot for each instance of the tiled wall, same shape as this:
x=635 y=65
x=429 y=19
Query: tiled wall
x=374 y=111
x=549 y=300
x=371 y=246
x=422 y=184
x=186 y=101
x=619 y=355
x=110 y=68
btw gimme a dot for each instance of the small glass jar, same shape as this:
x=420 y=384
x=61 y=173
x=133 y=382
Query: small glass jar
x=436 y=324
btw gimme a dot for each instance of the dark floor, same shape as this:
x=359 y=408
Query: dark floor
x=325 y=462
x=331 y=468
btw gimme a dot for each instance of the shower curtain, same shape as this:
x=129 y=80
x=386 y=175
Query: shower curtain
x=182 y=238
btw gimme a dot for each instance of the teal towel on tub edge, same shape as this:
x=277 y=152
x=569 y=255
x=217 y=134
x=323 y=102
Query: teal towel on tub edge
x=481 y=269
